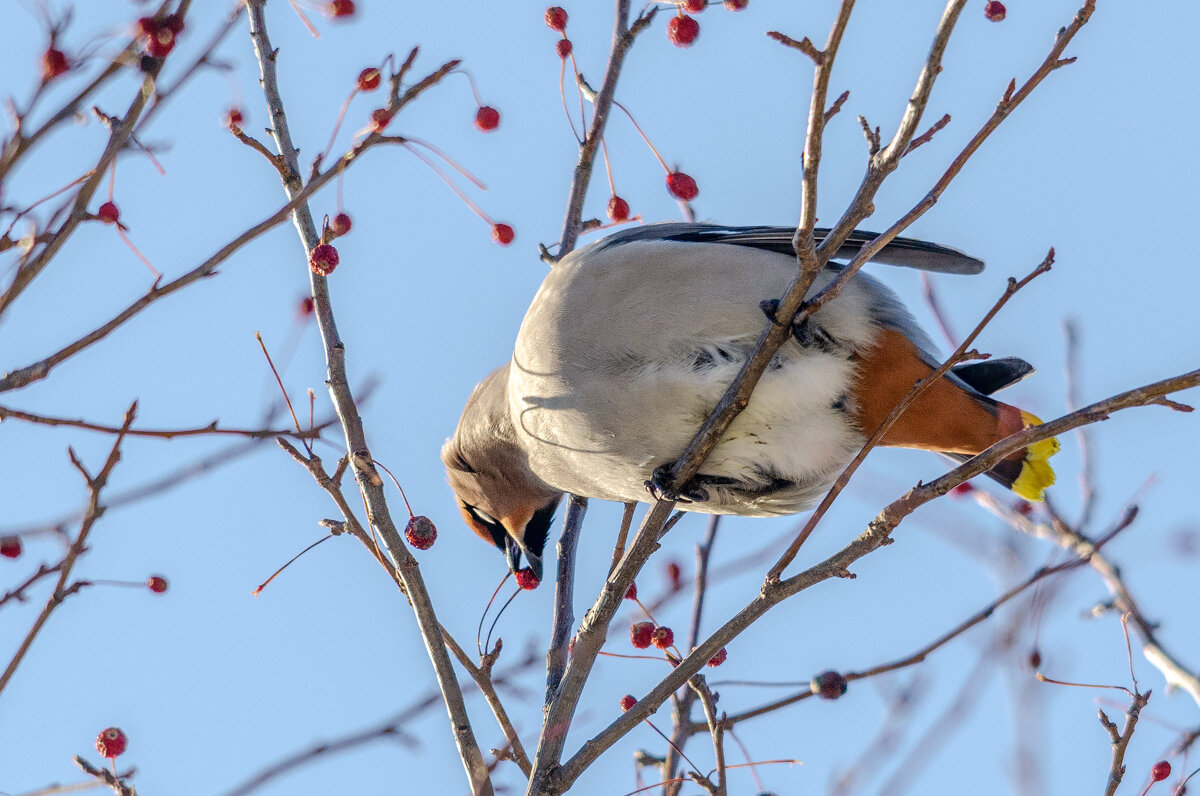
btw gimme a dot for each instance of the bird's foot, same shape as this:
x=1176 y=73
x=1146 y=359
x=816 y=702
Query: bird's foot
x=659 y=487
x=803 y=332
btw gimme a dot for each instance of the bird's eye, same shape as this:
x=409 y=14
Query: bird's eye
x=483 y=517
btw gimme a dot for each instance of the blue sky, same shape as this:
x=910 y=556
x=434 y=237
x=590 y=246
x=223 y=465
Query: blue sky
x=212 y=684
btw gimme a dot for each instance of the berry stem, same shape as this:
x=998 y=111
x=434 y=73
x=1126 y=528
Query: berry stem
x=263 y=585
x=140 y=256
x=478 y=183
x=446 y=179
x=282 y=389
x=638 y=127
x=404 y=497
x=304 y=18
x=612 y=188
x=562 y=92
x=488 y=607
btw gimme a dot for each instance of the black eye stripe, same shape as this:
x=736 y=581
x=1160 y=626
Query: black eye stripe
x=499 y=537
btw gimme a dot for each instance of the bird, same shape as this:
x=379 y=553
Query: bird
x=630 y=342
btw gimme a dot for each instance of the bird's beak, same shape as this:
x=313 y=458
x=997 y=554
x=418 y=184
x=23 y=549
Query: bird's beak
x=513 y=551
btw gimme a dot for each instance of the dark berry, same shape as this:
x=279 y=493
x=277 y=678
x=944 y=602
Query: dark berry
x=161 y=42
x=995 y=11
x=682 y=31
x=1161 y=770
x=306 y=307
x=631 y=592
x=323 y=259
x=341 y=224
x=563 y=48
x=380 y=118
x=156 y=584
x=674 y=574
x=340 y=9
x=10 y=546
x=420 y=532
x=109 y=213
x=173 y=23
x=828 y=685
x=111 y=743
x=54 y=63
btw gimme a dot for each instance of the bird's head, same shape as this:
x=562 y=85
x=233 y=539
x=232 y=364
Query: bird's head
x=500 y=498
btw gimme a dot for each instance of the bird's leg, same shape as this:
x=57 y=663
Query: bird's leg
x=803 y=331
x=659 y=486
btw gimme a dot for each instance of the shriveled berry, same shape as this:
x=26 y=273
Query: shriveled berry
x=234 y=117
x=109 y=213
x=618 y=209
x=682 y=31
x=369 y=79
x=682 y=186
x=10 y=546
x=156 y=584
x=640 y=634
x=340 y=9
x=341 y=224
x=323 y=259
x=420 y=532
x=161 y=42
x=380 y=118
x=111 y=743
x=828 y=685
x=719 y=658
x=995 y=11
x=962 y=490
x=556 y=18
x=694 y=6
x=1160 y=771
x=526 y=579
x=662 y=637
x=487 y=118
x=627 y=702
x=563 y=48
x=54 y=63
x=631 y=592
x=1035 y=658
x=173 y=23
x=736 y=5
x=502 y=234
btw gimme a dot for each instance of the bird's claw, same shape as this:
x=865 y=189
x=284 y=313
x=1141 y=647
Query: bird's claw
x=801 y=331
x=659 y=487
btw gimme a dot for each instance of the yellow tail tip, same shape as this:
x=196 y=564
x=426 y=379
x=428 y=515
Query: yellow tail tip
x=1036 y=473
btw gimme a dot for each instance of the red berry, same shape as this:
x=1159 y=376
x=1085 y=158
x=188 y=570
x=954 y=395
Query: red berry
x=682 y=31
x=146 y=26
x=662 y=637
x=682 y=186
x=627 y=702
x=487 y=118
x=323 y=259
x=674 y=574
x=694 y=6
x=1024 y=508
x=736 y=5
x=995 y=11
x=526 y=579
x=234 y=117
x=156 y=584
x=341 y=224
x=631 y=592
x=828 y=685
x=306 y=307
x=962 y=490
x=10 y=546
x=339 y=9
x=1161 y=770
x=173 y=23
x=54 y=63
x=380 y=118
x=161 y=42
x=719 y=658
x=556 y=18
x=108 y=213
x=111 y=743
x=563 y=48
x=502 y=234
x=640 y=634
x=618 y=209
x=421 y=532
x=369 y=79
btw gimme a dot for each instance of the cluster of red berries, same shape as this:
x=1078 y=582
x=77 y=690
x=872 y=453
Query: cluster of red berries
x=160 y=34
x=420 y=532
x=556 y=20
x=829 y=685
x=643 y=634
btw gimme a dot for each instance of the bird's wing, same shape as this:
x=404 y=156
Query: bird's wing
x=906 y=252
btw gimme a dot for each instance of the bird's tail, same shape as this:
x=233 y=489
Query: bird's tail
x=1027 y=472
